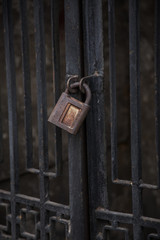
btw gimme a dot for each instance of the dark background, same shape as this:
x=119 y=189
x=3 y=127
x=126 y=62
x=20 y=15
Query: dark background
x=120 y=197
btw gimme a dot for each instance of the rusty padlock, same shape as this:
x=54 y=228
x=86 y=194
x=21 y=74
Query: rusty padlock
x=69 y=113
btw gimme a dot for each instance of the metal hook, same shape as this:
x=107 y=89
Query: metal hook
x=83 y=80
x=70 y=82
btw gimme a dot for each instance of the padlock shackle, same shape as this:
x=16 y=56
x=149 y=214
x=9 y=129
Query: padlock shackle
x=88 y=93
x=87 y=90
x=73 y=85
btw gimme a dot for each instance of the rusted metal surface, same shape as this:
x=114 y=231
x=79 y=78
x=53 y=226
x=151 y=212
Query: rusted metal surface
x=88 y=191
x=69 y=113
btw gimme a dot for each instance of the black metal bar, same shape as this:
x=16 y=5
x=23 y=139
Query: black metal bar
x=12 y=113
x=148 y=186
x=112 y=77
x=76 y=145
x=56 y=67
x=141 y=185
x=113 y=101
x=52 y=226
x=1 y=132
x=59 y=208
x=121 y=217
x=135 y=116
x=35 y=202
x=122 y=182
x=118 y=229
x=153 y=236
x=105 y=214
x=42 y=111
x=95 y=124
x=26 y=84
x=29 y=201
x=150 y=222
x=5 y=195
x=157 y=84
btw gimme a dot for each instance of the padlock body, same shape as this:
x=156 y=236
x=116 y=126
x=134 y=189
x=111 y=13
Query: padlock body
x=69 y=113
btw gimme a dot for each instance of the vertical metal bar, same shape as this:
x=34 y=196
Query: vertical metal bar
x=157 y=84
x=96 y=142
x=27 y=84
x=56 y=68
x=42 y=110
x=112 y=77
x=1 y=132
x=76 y=144
x=135 y=115
x=12 y=113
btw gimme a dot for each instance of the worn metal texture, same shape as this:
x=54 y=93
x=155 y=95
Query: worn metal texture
x=96 y=147
x=76 y=144
x=130 y=225
x=89 y=213
x=103 y=220
x=11 y=86
x=20 y=208
x=69 y=113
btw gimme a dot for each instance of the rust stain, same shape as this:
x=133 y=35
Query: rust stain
x=71 y=115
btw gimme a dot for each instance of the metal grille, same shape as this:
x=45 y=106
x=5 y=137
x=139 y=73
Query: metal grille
x=88 y=214
x=20 y=208
x=111 y=220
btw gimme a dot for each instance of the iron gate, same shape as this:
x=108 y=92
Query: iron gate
x=88 y=214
